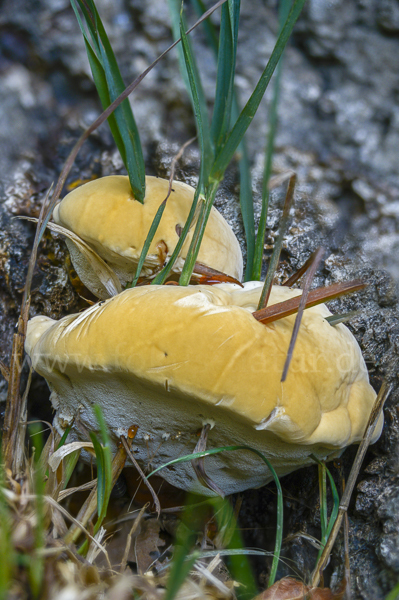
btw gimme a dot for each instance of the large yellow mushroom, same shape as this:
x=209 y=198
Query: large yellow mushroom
x=105 y=214
x=171 y=359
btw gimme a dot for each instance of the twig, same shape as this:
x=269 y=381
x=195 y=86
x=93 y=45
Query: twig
x=317 y=296
x=14 y=403
x=344 y=504
x=301 y=271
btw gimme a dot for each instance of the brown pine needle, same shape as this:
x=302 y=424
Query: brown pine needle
x=279 y=244
x=317 y=296
x=296 y=276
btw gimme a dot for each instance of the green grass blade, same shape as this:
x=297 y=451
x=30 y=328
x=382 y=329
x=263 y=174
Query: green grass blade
x=36 y=561
x=238 y=563
x=199 y=231
x=246 y=201
x=247 y=114
x=124 y=119
x=162 y=276
x=326 y=524
x=100 y=460
x=273 y=118
x=225 y=72
x=335 y=495
x=124 y=116
x=148 y=241
x=64 y=436
x=97 y=71
x=393 y=594
x=323 y=501
x=183 y=561
x=206 y=161
x=104 y=468
x=86 y=6
x=280 y=507
x=246 y=197
x=7 y=552
x=342 y=318
x=190 y=73
x=102 y=90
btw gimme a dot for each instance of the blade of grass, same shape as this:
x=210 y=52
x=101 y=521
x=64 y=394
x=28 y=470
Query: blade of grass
x=98 y=73
x=246 y=198
x=305 y=293
x=199 y=231
x=158 y=216
x=284 y=7
x=182 y=564
x=162 y=276
x=7 y=552
x=344 y=504
x=267 y=287
x=36 y=562
x=104 y=116
x=89 y=507
x=393 y=594
x=189 y=69
x=280 y=507
x=104 y=468
x=343 y=318
x=205 y=162
x=227 y=53
x=112 y=79
x=238 y=564
x=317 y=296
x=323 y=501
x=247 y=206
x=247 y=114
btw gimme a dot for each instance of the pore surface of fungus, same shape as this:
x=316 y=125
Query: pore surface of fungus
x=171 y=359
x=105 y=214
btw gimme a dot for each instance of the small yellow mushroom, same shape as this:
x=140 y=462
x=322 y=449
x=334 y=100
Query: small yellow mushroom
x=105 y=214
x=172 y=359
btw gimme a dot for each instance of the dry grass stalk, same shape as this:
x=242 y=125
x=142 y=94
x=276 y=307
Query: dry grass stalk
x=344 y=504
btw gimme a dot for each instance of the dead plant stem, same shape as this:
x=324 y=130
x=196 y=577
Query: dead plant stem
x=344 y=504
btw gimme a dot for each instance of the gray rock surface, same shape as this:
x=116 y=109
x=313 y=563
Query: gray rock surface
x=338 y=130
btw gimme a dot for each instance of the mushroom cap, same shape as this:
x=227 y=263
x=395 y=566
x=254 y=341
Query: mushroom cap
x=170 y=359
x=105 y=214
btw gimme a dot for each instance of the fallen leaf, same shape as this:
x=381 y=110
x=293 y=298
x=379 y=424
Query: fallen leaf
x=149 y=545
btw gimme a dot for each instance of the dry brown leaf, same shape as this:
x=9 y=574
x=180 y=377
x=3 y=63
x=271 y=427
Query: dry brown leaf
x=149 y=545
x=291 y=589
